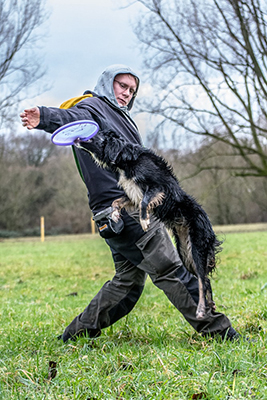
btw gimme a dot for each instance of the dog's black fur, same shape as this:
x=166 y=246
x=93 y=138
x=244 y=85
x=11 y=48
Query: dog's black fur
x=150 y=184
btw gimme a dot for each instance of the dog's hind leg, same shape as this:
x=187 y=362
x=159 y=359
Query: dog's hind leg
x=201 y=308
x=184 y=246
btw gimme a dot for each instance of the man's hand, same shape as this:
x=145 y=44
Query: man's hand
x=30 y=118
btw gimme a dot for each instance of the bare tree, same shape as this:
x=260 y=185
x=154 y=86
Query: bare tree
x=207 y=61
x=38 y=178
x=33 y=150
x=20 y=66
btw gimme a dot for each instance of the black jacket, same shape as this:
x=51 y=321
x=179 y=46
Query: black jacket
x=101 y=184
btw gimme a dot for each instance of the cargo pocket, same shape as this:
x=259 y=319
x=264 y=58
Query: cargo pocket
x=108 y=228
x=160 y=255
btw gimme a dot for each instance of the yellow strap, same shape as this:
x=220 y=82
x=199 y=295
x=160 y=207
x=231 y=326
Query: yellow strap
x=68 y=104
x=71 y=102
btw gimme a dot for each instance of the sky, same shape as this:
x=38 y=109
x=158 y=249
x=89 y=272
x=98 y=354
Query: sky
x=79 y=40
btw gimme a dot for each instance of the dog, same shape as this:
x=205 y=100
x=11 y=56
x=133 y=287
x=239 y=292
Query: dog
x=150 y=184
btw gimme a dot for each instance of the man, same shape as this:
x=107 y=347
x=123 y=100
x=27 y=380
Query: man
x=135 y=253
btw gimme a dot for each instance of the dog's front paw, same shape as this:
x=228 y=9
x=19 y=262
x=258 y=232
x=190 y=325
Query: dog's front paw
x=119 y=203
x=145 y=223
x=115 y=215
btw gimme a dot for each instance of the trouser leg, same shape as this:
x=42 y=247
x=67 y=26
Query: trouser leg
x=162 y=263
x=136 y=254
x=154 y=253
x=114 y=300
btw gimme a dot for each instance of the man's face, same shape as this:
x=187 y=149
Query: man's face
x=124 y=86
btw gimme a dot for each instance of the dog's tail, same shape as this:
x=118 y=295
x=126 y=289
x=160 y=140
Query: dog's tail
x=189 y=256
x=213 y=259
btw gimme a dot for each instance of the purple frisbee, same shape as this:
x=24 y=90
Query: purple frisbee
x=74 y=132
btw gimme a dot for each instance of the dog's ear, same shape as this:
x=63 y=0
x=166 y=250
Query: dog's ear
x=115 y=135
x=112 y=150
x=131 y=152
x=108 y=133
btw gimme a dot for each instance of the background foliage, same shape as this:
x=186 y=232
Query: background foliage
x=40 y=179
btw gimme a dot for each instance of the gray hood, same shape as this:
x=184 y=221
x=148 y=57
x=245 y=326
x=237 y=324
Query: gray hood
x=104 y=86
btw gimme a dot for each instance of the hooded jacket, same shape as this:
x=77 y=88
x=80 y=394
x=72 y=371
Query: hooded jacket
x=104 y=86
x=102 y=185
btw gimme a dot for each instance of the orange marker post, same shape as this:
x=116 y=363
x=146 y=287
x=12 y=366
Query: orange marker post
x=92 y=226
x=42 y=226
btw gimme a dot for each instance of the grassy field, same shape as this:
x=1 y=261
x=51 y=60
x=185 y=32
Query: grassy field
x=151 y=354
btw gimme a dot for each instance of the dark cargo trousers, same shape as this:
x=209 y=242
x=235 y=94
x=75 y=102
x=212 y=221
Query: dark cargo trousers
x=137 y=254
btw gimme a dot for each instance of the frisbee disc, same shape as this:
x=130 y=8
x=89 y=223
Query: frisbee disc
x=78 y=131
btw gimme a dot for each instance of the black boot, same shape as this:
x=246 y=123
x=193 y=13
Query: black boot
x=76 y=329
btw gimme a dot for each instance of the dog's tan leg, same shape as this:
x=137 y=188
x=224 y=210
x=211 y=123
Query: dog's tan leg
x=151 y=199
x=115 y=215
x=144 y=219
x=201 y=308
x=118 y=205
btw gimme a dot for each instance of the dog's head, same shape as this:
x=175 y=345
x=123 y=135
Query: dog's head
x=104 y=147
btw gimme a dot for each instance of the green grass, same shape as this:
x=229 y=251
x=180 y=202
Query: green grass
x=151 y=354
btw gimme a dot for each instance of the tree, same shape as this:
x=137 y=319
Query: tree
x=207 y=62
x=33 y=149
x=38 y=178
x=226 y=199
x=20 y=66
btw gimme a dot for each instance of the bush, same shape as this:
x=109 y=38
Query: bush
x=9 y=234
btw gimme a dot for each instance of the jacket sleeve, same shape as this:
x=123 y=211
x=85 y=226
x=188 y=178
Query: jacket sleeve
x=52 y=118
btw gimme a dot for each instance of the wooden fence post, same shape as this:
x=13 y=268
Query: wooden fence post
x=42 y=226
x=92 y=226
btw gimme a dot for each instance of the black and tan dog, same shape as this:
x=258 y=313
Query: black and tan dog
x=151 y=185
